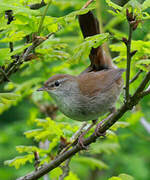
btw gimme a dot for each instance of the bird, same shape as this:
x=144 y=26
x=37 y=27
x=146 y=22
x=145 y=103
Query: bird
x=94 y=91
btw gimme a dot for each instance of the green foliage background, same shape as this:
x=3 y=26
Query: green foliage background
x=24 y=121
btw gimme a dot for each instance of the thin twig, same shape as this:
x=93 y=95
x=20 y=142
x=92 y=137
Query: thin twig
x=43 y=17
x=135 y=77
x=65 y=169
x=145 y=81
x=13 y=67
x=37 y=160
x=128 y=63
x=87 y=4
x=146 y=92
x=133 y=23
x=4 y=74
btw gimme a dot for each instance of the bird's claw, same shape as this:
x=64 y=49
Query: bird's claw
x=80 y=143
x=97 y=133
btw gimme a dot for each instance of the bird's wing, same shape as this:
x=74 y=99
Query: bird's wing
x=95 y=82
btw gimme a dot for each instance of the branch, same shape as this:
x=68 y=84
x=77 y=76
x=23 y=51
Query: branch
x=128 y=45
x=43 y=17
x=14 y=66
x=4 y=74
x=37 y=5
x=10 y=17
x=65 y=169
x=108 y=123
x=136 y=76
x=87 y=4
x=142 y=86
x=133 y=23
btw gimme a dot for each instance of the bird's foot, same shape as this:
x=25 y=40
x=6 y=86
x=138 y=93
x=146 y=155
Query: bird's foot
x=80 y=142
x=97 y=133
x=99 y=125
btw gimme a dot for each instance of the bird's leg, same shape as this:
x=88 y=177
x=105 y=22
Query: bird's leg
x=77 y=134
x=80 y=139
x=97 y=133
x=74 y=138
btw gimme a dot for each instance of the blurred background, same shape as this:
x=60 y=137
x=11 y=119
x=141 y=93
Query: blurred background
x=127 y=150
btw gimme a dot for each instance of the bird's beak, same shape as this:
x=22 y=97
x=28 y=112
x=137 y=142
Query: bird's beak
x=42 y=89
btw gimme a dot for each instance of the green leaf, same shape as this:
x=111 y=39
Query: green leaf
x=55 y=173
x=9 y=96
x=20 y=160
x=4 y=55
x=92 y=162
x=122 y=177
x=105 y=147
x=20 y=49
x=27 y=149
x=113 y=5
x=126 y=177
x=119 y=124
x=16 y=7
x=14 y=36
x=144 y=64
x=135 y=117
x=71 y=176
x=115 y=178
x=83 y=50
x=146 y=4
x=72 y=15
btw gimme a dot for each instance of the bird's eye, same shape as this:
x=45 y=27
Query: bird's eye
x=57 y=83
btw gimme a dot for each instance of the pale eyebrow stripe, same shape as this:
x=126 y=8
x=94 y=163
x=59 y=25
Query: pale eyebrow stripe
x=60 y=81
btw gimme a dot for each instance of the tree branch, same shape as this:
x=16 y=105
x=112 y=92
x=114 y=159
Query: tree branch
x=37 y=5
x=14 y=66
x=43 y=17
x=136 y=76
x=128 y=45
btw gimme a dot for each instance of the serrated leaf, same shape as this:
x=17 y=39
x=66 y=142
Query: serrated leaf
x=71 y=176
x=20 y=160
x=92 y=162
x=4 y=55
x=55 y=173
x=144 y=64
x=119 y=124
x=9 y=96
x=104 y=147
x=83 y=50
x=122 y=177
x=135 y=117
x=14 y=36
x=27 y=149
x=126 y=177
